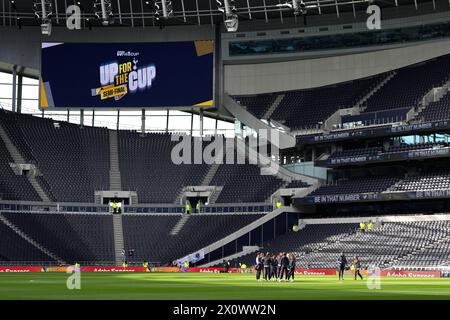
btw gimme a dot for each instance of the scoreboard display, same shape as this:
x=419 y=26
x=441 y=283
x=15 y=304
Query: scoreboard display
x=127 y=75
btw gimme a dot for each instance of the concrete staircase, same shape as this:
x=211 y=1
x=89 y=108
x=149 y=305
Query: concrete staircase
x=19 y=159
x=434 y=95
x=30 y=240
x=134 y=198
x=212 y=169
x=246 y=250
x=115 y=182
x=210 y=174
x=270 y=167
x=392 y=187
x=179 y=197
x=180 y=224
x=273 y=106
x=118 y=238
x=274 y=194
x=215 y=195
x=98 y=199
x=306 y=191
x=248 y=228
x=360 y=103
x=282 y=141
x=336 y=118
x=442 y=91
x=12 y=149
x=38 y=188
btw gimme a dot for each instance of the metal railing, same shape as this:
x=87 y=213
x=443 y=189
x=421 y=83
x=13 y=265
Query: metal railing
x=73 y=207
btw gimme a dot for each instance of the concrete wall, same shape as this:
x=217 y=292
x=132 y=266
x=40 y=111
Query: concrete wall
x=290 y=75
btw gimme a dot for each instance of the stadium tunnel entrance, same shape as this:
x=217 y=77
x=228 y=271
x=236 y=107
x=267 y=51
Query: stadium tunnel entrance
x=287 y=200
x=125 y=200
x=195 y=200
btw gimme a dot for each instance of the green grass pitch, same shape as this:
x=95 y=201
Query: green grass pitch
x=188 y=286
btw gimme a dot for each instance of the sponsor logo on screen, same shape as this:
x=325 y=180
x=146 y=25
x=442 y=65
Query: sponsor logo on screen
x=122 y=53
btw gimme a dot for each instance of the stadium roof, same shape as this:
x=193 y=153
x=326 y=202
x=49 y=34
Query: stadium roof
x=138 y=13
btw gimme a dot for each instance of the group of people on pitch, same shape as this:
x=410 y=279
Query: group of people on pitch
x=342 y=266
x=275 y=267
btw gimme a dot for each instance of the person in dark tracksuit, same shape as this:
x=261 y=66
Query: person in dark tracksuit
x=278 y=269
x=226 y=266
x=266 y=264
x=259 y=266
x=279 y=257
x=284 y=268
x=273 y=269
x=292 y=265
x=342 y=263
x=357 y=265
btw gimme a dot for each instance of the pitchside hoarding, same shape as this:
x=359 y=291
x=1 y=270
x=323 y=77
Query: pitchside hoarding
x=127 y=75
x=306 y=272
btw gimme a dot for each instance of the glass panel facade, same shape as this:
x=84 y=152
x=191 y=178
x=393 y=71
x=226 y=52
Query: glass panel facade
x=339 y=41
x=155 y=121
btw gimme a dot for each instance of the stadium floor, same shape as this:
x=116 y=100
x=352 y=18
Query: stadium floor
x=172 y=286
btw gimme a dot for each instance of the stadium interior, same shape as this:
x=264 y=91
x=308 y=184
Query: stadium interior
x=360 y=123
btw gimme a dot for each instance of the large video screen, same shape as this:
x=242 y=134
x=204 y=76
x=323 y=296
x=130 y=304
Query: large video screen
x=127 y=75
